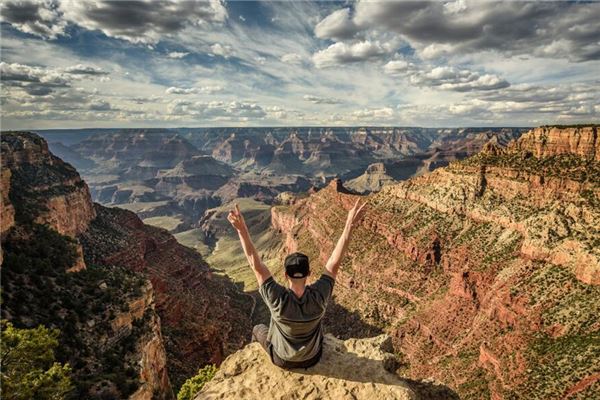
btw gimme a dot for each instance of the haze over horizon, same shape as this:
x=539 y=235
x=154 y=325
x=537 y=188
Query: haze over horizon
x=110 y=64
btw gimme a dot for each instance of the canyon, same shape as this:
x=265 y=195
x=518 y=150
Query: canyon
x=138 y=312
x=485 y=272
x=171 y=177
x=477 y=261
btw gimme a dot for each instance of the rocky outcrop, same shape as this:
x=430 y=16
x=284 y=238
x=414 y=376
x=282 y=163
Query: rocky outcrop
x=476 y=270
x=374 y=178
x=49 y=192
x=115 y=152
x=39 y=187
x=6 y=208
x=109 y=329
x=204 y=315
x=7 y=211
x=154 y=377
x=353 y=369
x=549 y=141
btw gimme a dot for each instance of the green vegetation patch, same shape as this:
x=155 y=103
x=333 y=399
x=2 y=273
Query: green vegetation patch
x=193 y=385
x=37 y=290
x=169 y=223
x=29 y=370
x=567 y=347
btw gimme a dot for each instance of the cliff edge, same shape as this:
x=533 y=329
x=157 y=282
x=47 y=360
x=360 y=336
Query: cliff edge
x=350 y=369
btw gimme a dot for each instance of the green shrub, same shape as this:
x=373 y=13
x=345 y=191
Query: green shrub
x=193 y=385
x=28 y=367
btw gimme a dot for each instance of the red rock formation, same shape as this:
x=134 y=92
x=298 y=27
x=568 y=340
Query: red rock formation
x=204 y=316
x=49 y=192
x=476 y=269
x=46 y=191
x=7 y=210
x=154 y=376
x=548 y=141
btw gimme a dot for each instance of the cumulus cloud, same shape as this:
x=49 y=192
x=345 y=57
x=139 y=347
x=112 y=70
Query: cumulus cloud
x=39 y=18
x=337 y=25
x=35 y=81
x=460 y=80
x=445 y=78
x=38 y=81
x=398 y=67
x=177 y=54
x=435 y=28
x=384 y=113
x=100 y=105
x=219 y=49
x=142 y=21
x=81 y=69
x=217 y=110
x=291 y=58
x=520 y=104
x=137 y=21
x=194 y=90
x=321 y=100
x=345 y=53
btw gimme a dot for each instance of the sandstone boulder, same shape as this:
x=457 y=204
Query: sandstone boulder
x=350 y=369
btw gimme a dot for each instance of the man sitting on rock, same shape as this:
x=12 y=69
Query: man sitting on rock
x=295 y=336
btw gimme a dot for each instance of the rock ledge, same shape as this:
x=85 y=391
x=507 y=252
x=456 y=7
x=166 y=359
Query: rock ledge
x=351 y=369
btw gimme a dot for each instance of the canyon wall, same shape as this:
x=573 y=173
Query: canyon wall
x=485 y=272
x=108 y=313
x=203 y=315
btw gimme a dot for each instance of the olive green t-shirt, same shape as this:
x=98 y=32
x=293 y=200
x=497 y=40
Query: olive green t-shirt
x=295 y=331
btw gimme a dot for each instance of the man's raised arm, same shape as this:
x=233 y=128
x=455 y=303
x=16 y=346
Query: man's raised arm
x=354 y=215
x=260 y=269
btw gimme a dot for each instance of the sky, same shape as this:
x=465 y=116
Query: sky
x=168 y=63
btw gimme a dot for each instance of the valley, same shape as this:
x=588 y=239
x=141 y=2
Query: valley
x=183 y=179
x=484 y=272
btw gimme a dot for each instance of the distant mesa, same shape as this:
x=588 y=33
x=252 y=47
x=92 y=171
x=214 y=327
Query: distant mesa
x=373 y=180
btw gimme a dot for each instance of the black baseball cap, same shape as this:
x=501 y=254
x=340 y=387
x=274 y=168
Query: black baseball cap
x=296 y=265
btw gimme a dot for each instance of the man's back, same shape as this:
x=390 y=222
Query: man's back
x=296 y=332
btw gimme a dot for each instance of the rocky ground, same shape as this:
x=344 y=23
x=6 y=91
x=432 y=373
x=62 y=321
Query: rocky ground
x=352 y=369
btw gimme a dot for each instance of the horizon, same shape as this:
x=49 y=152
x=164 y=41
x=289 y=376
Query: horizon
x=295 y=127
x=232 y=64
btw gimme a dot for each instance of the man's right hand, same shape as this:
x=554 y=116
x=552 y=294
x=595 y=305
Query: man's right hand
x=355 y=214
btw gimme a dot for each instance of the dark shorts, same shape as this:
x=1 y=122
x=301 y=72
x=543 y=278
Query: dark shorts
x=260 y=333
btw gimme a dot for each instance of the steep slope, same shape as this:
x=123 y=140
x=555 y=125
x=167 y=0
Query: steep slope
x=47 y=190
x=486 y=272
x=137 y=278
x=204 y=317
x=351 y=369
x=110 y=333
